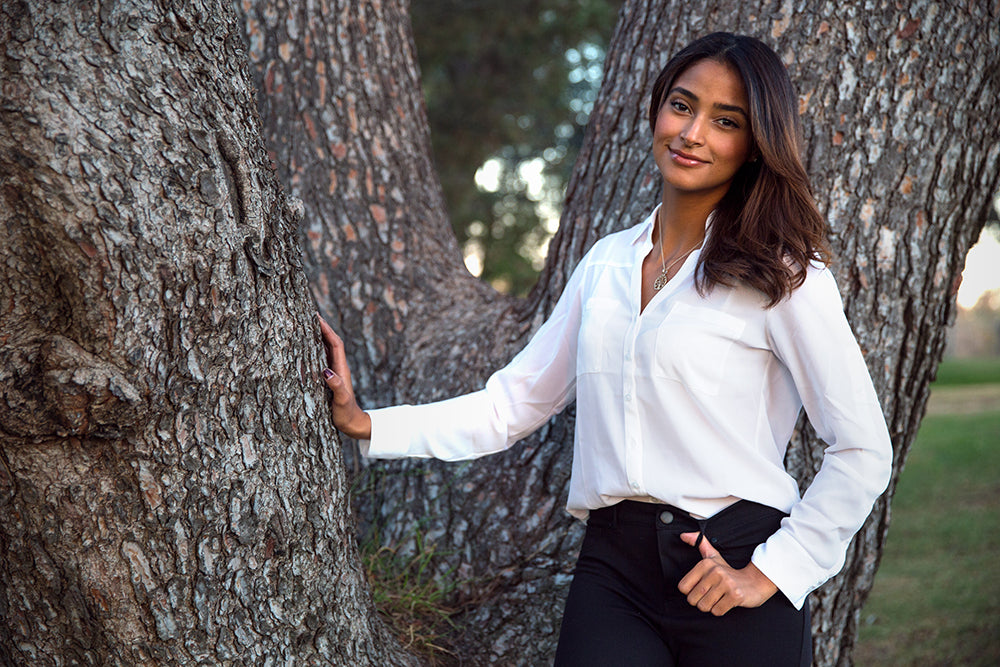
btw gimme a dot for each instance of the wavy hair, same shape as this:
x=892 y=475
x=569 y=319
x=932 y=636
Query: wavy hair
x=767 y=229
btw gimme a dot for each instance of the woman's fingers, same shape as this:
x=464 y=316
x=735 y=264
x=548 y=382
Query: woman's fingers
x=334 y=382
x=343 y=395
x=336 y=356
x=338 y=374
x=713 y=586
x=331 y=340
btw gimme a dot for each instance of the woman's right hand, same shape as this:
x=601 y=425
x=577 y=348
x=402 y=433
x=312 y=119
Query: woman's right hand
x=347 y=414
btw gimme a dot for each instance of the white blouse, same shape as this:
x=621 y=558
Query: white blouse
x=691 y=402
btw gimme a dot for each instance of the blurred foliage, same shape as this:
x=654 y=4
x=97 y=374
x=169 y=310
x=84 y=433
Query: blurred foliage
x=509 y=84
x=975 y=336
x=964 y=372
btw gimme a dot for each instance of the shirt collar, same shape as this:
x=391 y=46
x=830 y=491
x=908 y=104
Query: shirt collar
x=644 y=230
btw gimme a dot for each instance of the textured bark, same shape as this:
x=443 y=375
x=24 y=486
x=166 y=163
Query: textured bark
x=168 y=489
x=890 y=96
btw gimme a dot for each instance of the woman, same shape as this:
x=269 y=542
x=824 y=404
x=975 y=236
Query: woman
x=690 y=343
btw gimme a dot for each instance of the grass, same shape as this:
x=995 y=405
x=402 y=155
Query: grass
x=954 y=372
x=936 y=599
x=412 y=602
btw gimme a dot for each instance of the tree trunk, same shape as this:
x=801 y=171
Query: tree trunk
x=165 y=500
x=169 y=488
x=889 y=97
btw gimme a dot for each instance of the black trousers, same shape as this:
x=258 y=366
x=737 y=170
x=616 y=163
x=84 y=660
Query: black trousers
x=624 y=608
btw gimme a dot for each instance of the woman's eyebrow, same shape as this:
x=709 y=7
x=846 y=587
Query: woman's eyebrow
x=723 y=107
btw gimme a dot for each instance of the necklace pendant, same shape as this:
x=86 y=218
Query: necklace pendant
x=660 y=282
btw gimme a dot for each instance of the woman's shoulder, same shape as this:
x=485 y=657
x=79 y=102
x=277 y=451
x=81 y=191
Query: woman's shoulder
x=818 y=291
x=818 y=280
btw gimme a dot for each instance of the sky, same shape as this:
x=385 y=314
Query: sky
x=982 y=270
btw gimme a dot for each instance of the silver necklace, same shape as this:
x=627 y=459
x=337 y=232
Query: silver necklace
x=662 y=279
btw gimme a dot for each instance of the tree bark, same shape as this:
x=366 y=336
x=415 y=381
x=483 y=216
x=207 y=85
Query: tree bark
x=164 y=488
x=342 y=110
x=169 y=488
x=889 y=97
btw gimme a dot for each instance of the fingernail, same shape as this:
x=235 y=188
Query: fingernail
x=327 y=373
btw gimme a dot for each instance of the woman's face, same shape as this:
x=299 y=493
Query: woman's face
x=702 y=133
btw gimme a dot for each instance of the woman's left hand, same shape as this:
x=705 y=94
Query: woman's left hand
x=713 y=586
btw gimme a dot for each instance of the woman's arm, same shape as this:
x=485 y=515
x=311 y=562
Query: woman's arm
x=810 y=335
x=538 y=383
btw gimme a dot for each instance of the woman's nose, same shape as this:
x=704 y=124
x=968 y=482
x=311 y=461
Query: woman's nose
x=692 y=132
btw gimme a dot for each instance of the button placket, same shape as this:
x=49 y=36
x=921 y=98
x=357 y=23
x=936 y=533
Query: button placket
x=633 y=450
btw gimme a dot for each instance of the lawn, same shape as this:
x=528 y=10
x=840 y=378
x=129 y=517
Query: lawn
x=936 y=599
x=954 y=372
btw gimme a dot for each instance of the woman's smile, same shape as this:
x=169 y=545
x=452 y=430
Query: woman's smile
x=684 y=159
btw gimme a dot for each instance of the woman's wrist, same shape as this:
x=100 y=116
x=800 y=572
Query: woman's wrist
x=762 y=584
x=359 y=427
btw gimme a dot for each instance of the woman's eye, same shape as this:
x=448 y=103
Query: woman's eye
x=729 y=123
x=678 y=105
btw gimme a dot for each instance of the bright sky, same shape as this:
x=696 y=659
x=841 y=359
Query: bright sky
x=982 y=270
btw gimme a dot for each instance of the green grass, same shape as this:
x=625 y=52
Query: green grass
x=936 y=599
x=412 y=602
x=954 y=372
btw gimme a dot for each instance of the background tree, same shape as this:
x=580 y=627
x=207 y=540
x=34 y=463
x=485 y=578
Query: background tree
x=511 y=82
x=168 y=489
x=889 y=95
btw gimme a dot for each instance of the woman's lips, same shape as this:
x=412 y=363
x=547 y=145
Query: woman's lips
x=684 y=159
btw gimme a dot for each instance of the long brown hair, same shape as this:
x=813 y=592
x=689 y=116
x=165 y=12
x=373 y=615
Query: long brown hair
x=767 y=229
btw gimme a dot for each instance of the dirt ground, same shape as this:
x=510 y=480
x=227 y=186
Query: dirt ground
x=964 y=400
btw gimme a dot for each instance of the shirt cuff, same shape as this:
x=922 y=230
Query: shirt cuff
x=390 y=434
x=789 y=567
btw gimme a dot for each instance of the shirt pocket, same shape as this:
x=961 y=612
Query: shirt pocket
x=693 y=345
x=598 y=347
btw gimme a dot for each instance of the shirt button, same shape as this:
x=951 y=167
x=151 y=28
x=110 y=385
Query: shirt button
x=635 y=485
x=666 y=517
x=628 y=397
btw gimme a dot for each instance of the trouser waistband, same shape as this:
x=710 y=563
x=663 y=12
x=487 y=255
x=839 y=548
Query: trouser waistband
x=663 y=516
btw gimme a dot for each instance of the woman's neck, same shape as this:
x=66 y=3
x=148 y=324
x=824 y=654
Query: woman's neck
x=681 y=220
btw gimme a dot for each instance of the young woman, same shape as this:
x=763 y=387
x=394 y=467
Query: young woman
x=690 y=342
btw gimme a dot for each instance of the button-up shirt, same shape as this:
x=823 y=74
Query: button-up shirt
x=690 y=401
